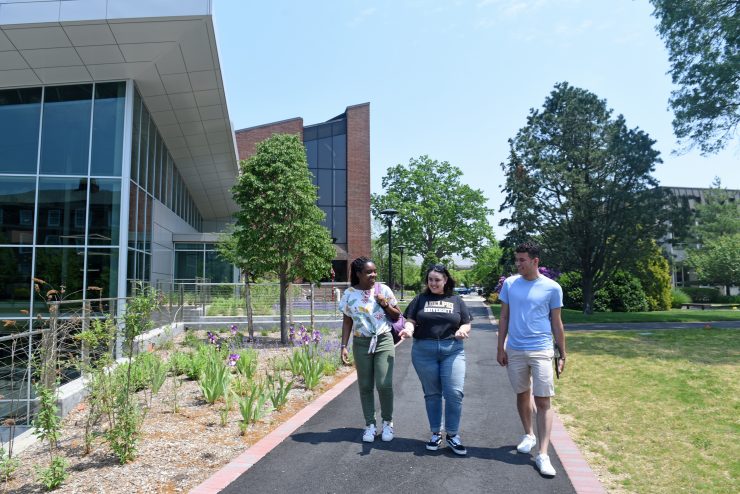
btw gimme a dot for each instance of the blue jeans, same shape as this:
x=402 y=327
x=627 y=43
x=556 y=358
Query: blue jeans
x=440 y=365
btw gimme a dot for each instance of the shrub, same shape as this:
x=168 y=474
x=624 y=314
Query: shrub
x=621 y=293
x=702 y=295
x=679 y=297
x=654 y=274
x=729 y=299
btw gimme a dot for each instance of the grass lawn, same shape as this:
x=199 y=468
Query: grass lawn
x=659 y=411
x=673 y=315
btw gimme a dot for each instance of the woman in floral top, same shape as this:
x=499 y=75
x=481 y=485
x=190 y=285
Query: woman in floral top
x=367 y=308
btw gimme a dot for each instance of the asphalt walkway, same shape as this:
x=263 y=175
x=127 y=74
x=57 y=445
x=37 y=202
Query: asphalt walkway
x=326 y=453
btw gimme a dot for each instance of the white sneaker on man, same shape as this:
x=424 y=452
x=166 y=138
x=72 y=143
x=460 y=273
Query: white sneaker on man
x=544 y=465
x=369 y=435
x=387 y=434
x=526 y=444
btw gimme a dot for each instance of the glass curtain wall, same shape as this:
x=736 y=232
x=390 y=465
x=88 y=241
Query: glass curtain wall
x=154 y=176
x=201 y=262
x=326 y=151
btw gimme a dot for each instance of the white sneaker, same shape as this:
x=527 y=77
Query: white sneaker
x=387 y=431
x=544 y=465
x=526 y=444
x=369 y=435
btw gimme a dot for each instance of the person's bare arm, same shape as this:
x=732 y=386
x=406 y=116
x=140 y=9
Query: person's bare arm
x=558 y=331
x=503 y=330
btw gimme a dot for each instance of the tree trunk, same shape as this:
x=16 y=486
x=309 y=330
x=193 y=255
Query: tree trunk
x=588 y=294
x=283 y=303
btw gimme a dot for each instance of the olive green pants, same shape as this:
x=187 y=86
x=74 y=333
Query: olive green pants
x=375 y=370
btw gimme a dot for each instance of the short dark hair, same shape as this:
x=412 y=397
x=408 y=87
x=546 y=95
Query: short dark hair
x=356 y=267
x=440 y=268
x=531 y=248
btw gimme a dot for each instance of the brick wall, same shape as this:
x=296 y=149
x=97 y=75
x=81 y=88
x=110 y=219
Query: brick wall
x=358 y=181
x=247 y=139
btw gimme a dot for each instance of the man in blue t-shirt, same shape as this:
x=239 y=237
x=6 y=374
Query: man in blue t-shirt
x=530 y=317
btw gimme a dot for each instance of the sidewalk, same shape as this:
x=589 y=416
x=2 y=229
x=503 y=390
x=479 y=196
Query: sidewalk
x=326 y=453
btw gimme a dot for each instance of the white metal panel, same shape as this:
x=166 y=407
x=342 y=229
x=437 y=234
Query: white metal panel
x=203 y=80
x=146 y=52
x=153 y=31
x=51 y=57
x=207 y=98
x=37 y=37
x=23 y=77
x=166 y=117
x=90 y=34
x=171 y=62
x=63 y=75
x=122 y=9
x=186 y=115
x=29 y=12
x=10 y=60
x=116 y=70
x=5 y=43
x=177 y=83
x=100 y=54
x=212 y=112
x=76 y=10
x=182 y=100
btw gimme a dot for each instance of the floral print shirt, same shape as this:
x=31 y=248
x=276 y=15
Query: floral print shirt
x=368 y=317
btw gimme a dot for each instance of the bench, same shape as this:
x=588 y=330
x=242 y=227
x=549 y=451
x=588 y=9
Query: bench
x=708 y=306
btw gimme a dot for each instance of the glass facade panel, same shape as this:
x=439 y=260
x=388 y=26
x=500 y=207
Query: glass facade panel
x=325 y=187
x=312 y=154
x=102 y=273
x=339 y=229
x=15 y=281
x=20 y=115
x=59 y=267
x=216 y=269
x=105 y=211
x=65 y=135
x=132 y=215
x=340 y=188
x=135 y=137
x=107 y=137
x=152 y=154
x=188 y=265
x=59 y=201
x=339 y=148
x=325 y=153
x=143 y=148
x=17 y=201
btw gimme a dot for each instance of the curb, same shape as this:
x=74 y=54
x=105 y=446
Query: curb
x=227 y=474
x=576 y=468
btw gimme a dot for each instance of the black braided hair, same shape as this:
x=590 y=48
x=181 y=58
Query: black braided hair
x=357 y=266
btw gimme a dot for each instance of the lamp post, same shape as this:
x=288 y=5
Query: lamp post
x=401 y=249
x=389 y=214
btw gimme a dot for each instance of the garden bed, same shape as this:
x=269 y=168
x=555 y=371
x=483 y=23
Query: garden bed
x=181 y=445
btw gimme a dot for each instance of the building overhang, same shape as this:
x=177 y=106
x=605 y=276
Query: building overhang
x=167 y=48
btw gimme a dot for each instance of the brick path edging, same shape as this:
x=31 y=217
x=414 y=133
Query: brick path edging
x=227 y=474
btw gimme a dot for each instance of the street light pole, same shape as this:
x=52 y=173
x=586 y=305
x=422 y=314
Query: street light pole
x=401 y=249
x=389 y=214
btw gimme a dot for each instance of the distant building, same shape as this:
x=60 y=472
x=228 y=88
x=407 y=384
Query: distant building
x=338 y=153
x=681 y=275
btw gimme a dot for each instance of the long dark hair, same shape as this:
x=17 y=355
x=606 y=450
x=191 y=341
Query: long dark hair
x=356 y=267
x=440 y=268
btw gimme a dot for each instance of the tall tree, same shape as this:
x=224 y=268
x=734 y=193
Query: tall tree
x=703 y=41
x=581 y=182
x=487 y=268
x=717 y=262
x=438 y=215
x=278 y=227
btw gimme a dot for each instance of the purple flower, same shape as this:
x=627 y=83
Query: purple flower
x=316 y=336
x=232 y=359
x=302 y=330
x=212 y=338
x=291 y=333
x=500 y=284
x=550 y=273
x=233 y=329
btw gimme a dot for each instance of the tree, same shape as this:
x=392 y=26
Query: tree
x=580 y=181
x=717 y=215
x=278 y=227
x=704 y=51
x=438 y=216
x=718 y=261
x=487 y=268
x=654 y=274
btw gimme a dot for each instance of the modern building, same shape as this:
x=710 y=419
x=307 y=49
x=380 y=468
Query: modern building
x=117 y=153
x=338 y=154
x=690 y=197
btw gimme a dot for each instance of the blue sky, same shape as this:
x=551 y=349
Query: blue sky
x=452 y=79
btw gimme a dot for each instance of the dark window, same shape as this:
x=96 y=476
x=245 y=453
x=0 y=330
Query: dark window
x=15 y=289
x=20 y=111
x=17 y=200
x=340 y=188
x=326 y=157
x=136 y=138
x=339 y=148
x=102 y=273
x=325 y=187
x=105 y=211
x=143 y=147
x=59 y=266
x=65 y=137
x=323 y=130
x=59 y=198
x=309 y=133
x=312 y=154
x=339 y=127
x=107 y=143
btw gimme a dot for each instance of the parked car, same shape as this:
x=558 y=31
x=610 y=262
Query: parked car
x=462 y=290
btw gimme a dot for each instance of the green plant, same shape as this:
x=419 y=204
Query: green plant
x=8 y=465
x=157 y=371
x=703 y=295
x=56 y=473
x=179 y=363
x=124 y=436
x=679 y=297
x=224 y=412
x=191 y=340
x=214 y=381
x=251 y=406
x=246 y=364
x=278 y=389
x=264 y=332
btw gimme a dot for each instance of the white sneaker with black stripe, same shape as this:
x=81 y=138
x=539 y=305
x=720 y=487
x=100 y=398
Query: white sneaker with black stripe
x=455 y=444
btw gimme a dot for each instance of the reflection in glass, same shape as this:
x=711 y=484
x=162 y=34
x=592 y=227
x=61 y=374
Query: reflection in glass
x=61 y=268
x=141 y=236
x=102 y=273
x=65 y=136
x=136 y=138
x=17 y=199
x=107 y=137
x=188 y=265
x=312 y=151
x=339 y=230
x=339 y=147
x=60 y=201
x=325 y=153
x=143 y=147
x=105 y=211
x=217 y=270
x=132 y=214
x=15 y=281
x=20 y=111
x=340 y=188
x=151 y=163
x=325 y=188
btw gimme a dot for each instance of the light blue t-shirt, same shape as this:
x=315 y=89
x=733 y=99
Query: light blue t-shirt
x=530 y=303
